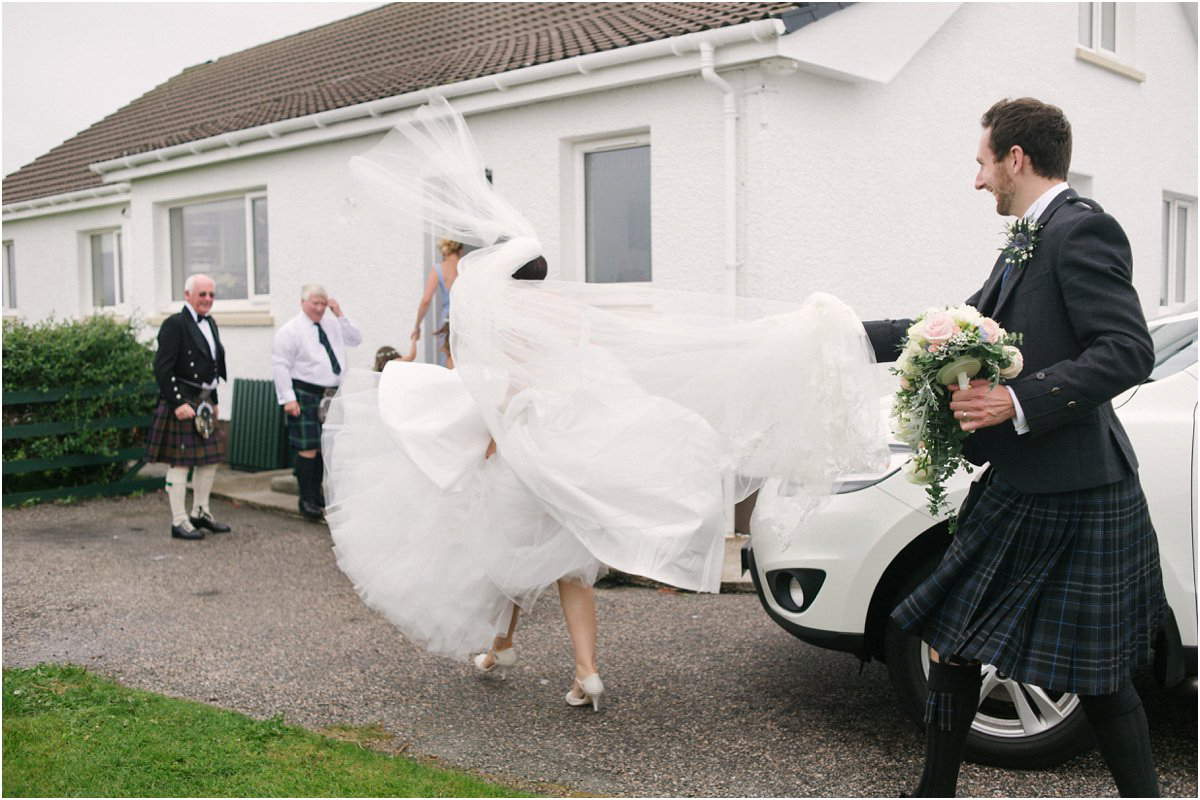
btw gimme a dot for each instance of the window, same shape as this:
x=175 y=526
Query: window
x=1098 y=26
x=10 y=277
x=1177 y=280
x=1106 y=37
x=224 y=239
x=108 y=269
x=616 y=210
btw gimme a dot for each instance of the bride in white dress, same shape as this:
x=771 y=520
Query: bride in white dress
x=584 y=426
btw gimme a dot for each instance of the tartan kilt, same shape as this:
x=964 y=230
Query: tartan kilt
x=175 y=441
x=304 y=431
x=1062 y=591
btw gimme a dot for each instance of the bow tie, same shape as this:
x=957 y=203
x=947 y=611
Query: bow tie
x=200 y=318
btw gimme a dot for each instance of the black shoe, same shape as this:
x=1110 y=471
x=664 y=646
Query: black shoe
x=205 y=520
x=311 y=511
x=180 y=532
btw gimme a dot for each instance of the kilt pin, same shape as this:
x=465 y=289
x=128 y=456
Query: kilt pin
x=1053 y=575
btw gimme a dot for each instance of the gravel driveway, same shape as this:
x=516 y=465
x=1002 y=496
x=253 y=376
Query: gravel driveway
x=705 y=695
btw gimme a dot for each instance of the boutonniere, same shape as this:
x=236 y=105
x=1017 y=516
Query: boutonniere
x=1021 y=238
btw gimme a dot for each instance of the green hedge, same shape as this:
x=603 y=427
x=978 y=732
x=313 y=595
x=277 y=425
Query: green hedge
x=96 y=351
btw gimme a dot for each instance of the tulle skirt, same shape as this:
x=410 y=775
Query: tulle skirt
x=445 y=542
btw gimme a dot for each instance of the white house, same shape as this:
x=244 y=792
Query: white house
x=767 y=149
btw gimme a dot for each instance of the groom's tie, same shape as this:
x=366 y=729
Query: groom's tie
x=333 y=362
x=1008 y=268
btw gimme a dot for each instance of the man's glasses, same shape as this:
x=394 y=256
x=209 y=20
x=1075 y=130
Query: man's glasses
x=207 y=294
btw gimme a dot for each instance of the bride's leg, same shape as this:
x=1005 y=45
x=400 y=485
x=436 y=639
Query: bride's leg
x=504 y=642
x=579 y=609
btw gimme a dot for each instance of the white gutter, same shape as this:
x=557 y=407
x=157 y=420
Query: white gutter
x=375 y=110
x=106 y=195
x=729 y=115
x=745 y=43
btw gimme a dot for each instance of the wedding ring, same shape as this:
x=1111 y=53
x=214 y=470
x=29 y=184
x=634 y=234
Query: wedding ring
x=964 y=416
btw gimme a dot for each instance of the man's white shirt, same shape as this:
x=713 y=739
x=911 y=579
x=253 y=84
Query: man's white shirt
x=206 y=329
x=1034 y=211
x=297 y=352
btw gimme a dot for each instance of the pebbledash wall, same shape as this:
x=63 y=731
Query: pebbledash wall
x=862 y=189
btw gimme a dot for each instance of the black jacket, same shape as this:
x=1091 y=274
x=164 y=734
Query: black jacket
x=1085 y=342
x=183 y=361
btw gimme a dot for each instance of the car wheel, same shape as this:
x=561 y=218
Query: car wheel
x=1018 y=725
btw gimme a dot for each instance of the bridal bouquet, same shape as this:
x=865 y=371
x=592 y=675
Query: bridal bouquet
x=944 y=349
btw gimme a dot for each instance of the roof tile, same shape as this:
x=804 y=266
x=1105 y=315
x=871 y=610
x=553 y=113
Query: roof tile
x=391 y=50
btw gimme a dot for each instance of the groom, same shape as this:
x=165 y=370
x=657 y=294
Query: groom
x=1053 y=575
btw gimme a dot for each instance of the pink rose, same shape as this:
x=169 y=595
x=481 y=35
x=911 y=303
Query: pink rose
x=990 y=330
x=938 y=329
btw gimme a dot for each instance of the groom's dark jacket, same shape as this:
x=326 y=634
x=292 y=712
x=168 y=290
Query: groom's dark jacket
x=1085 y=342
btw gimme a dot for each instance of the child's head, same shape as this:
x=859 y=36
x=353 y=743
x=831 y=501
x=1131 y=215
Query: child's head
x=383 y=355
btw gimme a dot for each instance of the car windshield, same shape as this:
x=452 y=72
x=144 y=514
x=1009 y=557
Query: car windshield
x=1174 y=345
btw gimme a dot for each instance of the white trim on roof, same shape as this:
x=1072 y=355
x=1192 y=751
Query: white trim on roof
x=638 y=63
x=107 y=195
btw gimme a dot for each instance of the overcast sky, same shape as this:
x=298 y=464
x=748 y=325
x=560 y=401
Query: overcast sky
x=69 y=65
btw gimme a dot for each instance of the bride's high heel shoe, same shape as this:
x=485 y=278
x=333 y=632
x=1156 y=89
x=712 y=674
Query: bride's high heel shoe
x=502 y=661
x=591 y=688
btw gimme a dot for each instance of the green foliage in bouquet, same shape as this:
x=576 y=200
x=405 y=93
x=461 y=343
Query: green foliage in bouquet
x=93 y=352
x=945 y=348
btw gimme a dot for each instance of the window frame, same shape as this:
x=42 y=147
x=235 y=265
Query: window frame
x=1170 y=270
x=580 y=150
x=1120 y=58
x=119 y=264
x=254 y=300
x=10 y=276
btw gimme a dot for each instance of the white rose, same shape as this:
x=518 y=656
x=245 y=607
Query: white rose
x=1017 y=363
x=916 y=474
x=967 y=316
x=904 y=430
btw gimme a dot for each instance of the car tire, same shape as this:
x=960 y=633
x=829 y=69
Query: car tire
x=1017 y=727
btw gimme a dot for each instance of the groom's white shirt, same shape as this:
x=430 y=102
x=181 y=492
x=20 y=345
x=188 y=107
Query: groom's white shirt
x=1035 y=211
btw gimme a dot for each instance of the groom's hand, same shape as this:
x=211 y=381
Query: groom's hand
x=981 y=406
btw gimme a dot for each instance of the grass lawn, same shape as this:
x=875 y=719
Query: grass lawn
x=70 y=733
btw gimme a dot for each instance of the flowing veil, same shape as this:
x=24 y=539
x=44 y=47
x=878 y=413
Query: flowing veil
x=790 y=388
x=625 y=419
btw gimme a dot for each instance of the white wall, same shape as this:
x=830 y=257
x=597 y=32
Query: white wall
x=867 y=190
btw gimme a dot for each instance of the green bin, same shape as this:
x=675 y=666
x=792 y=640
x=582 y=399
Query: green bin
x=257 y=433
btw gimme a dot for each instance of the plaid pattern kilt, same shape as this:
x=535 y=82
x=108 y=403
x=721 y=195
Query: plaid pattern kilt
x=1061 y=591
x=304 y=431
x=175 y=442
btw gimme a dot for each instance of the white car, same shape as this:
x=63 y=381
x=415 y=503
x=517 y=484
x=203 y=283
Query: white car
x=836 y=581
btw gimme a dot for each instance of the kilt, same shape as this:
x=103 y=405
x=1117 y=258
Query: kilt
x=304 y=431
x=1061 y=591
x=175 y=441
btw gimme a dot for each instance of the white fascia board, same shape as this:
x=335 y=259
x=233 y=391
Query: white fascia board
x=642 y=63
x=108 y=195
x=867 y=42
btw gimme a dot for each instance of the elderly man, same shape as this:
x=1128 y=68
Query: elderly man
x=188 y=363
x=307 y=360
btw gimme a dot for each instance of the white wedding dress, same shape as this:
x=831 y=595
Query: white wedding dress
x=624 y=419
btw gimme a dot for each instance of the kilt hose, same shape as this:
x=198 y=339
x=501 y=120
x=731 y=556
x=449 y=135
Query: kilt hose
x=1061 y=591
x=304 y=431
x=174 y=441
